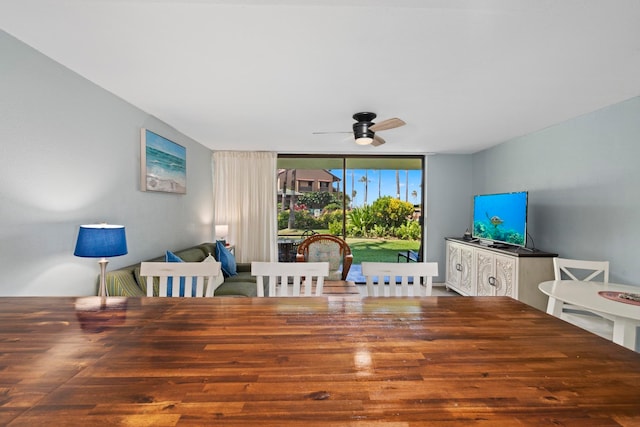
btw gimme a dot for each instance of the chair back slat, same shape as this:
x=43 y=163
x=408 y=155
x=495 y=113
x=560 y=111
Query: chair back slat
x=192 y=273
x=299 y=278
x=402 y=278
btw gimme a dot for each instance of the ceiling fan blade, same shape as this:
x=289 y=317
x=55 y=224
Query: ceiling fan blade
x=327 y=133
x=377 y=141
x=387 y=124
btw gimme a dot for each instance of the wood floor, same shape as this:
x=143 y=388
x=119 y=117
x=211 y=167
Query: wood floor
x=327 y=361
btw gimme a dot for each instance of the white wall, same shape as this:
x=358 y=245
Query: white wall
x=70 y=155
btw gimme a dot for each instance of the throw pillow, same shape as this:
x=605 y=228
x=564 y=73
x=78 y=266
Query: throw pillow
x=171 y=257
x=218 y=280
x=327 y=252
x=226 y=259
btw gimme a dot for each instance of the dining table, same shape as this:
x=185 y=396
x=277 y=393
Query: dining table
x=332 y=360
x=604 y=298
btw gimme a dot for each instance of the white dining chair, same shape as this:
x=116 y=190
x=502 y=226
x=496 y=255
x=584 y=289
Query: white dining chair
x=576 y=269
x=584 y=271
x=200 y=276
x=287 y=278
x=390 y=279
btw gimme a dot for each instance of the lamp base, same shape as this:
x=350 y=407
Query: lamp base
x=103 y=280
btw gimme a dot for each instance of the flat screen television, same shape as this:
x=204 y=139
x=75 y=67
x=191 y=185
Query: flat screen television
x=501 y=217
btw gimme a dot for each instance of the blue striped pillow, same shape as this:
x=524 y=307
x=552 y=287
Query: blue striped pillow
x=171 y=257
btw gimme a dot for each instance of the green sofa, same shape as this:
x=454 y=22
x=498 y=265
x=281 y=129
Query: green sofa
x=126 y=280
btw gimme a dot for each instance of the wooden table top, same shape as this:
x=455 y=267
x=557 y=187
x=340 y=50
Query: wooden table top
x=314 y=361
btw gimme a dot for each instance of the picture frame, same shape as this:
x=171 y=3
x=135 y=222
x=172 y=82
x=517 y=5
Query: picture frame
x=163 y=164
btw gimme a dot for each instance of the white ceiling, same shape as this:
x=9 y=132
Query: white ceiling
x=265 y=74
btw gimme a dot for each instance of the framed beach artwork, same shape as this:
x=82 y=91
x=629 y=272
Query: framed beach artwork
x=163 y=165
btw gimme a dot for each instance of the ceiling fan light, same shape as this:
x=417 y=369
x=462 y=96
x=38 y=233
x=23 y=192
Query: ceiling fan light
x=364 y=140
x=362 y=134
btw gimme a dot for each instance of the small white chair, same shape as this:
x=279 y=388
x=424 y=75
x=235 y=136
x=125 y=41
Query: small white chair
x=586 y=271
x=194 y=274
x=279 y=274
x=422 y=274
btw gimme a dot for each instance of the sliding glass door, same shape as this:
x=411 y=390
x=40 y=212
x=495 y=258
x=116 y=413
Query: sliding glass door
x=375 y=203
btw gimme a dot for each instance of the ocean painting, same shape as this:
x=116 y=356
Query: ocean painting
x=164 y=164
x=501 y=217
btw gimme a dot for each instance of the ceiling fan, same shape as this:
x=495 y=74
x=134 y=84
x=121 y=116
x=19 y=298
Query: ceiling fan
x=364 y=130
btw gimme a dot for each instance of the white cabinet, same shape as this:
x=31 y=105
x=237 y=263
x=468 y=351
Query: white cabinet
x=475 y=270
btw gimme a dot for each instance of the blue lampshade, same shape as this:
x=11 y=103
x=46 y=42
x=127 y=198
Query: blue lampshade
x=101 y=241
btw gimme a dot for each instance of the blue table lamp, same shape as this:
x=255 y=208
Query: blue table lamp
x=101 y=241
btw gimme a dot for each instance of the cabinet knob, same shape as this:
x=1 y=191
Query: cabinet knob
x=491 y=280
x=459 y=267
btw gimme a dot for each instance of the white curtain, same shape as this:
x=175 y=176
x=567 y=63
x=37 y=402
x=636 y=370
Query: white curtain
x=244 y=197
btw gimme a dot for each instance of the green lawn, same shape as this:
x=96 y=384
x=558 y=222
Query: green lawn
x=379 y=250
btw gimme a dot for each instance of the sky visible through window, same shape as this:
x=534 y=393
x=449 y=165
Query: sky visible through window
x=381 y=182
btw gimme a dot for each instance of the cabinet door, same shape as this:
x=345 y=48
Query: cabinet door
x=459 y=264
x=453 y=260
x=465 y=268
x=485 y=274
x=495 y=274
x=505 y=274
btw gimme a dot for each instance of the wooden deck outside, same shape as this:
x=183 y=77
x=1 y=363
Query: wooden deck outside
x=320 y=361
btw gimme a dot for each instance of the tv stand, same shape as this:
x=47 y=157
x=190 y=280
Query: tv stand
x=473 y=269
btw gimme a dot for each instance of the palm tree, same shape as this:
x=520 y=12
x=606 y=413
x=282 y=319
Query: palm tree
x=397 y=184
x=284 y=191
x=292 y=201
x=406 y=190
x=365 y=180
x=353 y=190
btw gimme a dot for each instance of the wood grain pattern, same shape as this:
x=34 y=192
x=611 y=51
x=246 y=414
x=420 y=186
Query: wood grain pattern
x=330 y=361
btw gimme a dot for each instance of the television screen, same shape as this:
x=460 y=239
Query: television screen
x=501 y=217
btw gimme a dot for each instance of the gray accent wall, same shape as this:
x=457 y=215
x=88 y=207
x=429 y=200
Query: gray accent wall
x=448 y=203
x=583 y=179
x=584 y=185
x=70 y=155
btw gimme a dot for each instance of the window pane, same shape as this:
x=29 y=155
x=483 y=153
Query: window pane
x=338 y=194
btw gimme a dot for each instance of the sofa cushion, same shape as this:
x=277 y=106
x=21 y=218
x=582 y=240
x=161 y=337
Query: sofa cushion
x=207 y=248
x=226 y=259
x=191 y=255
x=245 y=283
x=122 y=282
x=142 y=281
x=240 y=288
